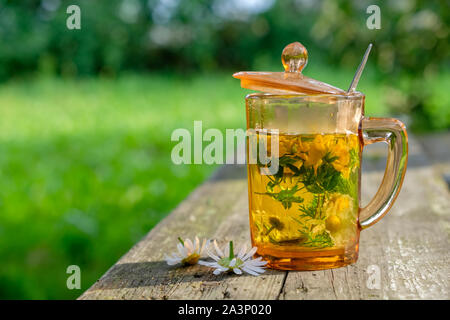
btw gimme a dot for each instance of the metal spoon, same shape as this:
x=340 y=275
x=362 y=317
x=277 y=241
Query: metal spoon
x=358 y=73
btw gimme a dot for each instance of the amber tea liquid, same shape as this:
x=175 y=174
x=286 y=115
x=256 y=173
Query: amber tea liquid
x=305 y=216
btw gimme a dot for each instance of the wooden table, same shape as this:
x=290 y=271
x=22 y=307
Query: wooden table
x=409 y=247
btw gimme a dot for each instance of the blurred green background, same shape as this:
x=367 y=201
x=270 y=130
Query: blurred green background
x=86 y=115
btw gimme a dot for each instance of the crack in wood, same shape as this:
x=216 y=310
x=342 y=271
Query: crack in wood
x=332 y=283
x=283 y=283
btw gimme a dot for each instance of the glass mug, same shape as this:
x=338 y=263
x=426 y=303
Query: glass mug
x=305 y=215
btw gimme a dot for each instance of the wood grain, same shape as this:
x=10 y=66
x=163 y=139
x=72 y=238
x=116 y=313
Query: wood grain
x=409 y=246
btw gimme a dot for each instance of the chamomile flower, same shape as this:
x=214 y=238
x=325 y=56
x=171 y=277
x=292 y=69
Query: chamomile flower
x=225 y=261
x=188 y=252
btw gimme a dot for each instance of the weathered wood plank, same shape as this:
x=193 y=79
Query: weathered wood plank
x=437 y=146
x=409 y=246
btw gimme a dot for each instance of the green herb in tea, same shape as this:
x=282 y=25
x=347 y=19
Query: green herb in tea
x=311 y=202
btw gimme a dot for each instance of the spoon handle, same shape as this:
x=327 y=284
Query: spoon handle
x=358 y=73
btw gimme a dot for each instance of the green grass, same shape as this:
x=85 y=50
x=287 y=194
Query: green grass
x=85 y=168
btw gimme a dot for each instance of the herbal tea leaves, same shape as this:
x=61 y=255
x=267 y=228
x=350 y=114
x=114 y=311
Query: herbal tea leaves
x=313 y=194
x=286 y=196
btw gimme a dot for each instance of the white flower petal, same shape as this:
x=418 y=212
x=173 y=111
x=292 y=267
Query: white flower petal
x=256 y=269
x=250 y=253
x=256 y=262
x=260 y=263
x=182 y=250
x=203 y=246
x=226 y=250
x=196 y=244
x=237 y=270
x=207 y=263
x=221 y=268
x=217 y=272
x=176 y=257
x=211 y=254
x=242 y=251
x=232 y=262
x=253 y=262
x=171 y=260
x=219 y=252
x=253 y=267
x=189 y=246
x=253 y=273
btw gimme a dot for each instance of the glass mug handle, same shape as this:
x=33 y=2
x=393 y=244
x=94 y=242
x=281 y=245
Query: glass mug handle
x=392 y=132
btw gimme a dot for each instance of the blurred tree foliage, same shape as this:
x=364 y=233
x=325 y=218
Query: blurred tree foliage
x=192 y=35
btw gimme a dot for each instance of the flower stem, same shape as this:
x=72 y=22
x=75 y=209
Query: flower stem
x=231 y=250
x=181 y=240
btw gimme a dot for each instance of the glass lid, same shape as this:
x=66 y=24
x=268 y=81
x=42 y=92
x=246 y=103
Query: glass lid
x=294 y=59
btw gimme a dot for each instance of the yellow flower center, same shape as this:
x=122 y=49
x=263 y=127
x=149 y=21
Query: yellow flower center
x=191 y=259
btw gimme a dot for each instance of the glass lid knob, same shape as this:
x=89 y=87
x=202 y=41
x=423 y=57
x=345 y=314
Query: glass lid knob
x=294 y=57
